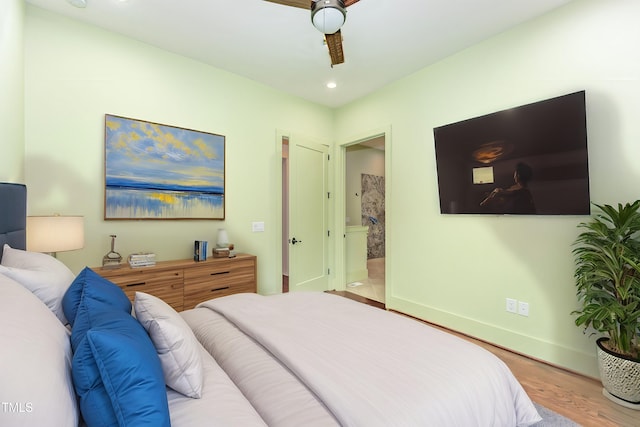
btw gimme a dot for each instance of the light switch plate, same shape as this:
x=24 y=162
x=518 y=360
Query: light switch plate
x=257 y=226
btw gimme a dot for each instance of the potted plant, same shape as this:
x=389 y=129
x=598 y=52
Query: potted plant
x=607 y=255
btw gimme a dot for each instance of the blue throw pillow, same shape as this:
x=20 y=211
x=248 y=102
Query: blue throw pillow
x=117 y=374
x=92 y=289
x=93 y=399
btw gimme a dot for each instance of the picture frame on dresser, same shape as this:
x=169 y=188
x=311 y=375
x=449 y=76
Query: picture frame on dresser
x=155 y=171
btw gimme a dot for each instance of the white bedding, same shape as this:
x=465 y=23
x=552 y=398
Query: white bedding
x=276 y=394
x=35 y=362
x=375 y=368
x=221 y=404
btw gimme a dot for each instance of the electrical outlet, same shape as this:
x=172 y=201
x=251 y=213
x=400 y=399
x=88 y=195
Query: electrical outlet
x=523 y=308
x=511 y=305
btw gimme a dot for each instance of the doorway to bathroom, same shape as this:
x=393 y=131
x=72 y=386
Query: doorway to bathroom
x=365 y=219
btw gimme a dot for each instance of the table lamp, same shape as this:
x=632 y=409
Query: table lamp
x=56 y=233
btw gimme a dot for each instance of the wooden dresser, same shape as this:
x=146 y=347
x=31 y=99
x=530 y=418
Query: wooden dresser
x=185 y=283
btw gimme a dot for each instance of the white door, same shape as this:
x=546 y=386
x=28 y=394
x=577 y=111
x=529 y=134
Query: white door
x=308 y=213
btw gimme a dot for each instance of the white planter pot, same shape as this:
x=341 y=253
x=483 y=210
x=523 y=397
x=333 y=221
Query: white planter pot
x=620 y=375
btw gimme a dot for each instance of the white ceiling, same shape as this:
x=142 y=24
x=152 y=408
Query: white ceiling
x=383 y=40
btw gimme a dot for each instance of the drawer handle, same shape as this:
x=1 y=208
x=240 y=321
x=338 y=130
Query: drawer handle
x=219 y=289
x=219 y=273
x=136 y=284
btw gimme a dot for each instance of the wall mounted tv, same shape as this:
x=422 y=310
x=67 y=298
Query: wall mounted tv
x=528 y=160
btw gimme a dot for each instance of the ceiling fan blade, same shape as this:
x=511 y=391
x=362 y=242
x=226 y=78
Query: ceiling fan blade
x=303 y=4
x=334 y=43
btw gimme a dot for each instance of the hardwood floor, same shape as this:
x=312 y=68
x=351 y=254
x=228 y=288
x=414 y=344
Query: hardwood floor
x=575 y=396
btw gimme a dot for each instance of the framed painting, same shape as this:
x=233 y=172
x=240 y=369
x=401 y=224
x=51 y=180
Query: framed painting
x=155 y=171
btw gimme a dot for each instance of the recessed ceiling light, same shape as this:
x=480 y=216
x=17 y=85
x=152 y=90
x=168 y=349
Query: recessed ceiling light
x=332 y=85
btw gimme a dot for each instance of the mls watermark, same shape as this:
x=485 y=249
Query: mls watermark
x=16 y=407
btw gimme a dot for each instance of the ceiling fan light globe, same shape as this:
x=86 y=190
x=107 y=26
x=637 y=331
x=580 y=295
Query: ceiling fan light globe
x=328 y=15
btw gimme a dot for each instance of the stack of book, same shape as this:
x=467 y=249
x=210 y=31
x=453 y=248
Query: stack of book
x=200 y=250
x=142 y=259
x=221 y=252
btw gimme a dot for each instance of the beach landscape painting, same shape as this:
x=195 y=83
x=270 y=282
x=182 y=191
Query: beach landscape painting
x=155 y=171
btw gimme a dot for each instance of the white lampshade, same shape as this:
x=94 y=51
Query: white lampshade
x=55 y=233
x=328 y=15
x=223 y=239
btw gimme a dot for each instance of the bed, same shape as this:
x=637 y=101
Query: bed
x=298 y=359
x=13 y=215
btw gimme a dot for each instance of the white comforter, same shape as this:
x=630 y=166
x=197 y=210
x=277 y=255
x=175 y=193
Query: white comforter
x=376 y=368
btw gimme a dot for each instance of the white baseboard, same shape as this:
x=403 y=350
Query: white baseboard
x=552 y=353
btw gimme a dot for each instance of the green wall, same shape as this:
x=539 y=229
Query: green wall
x=458 y=270
x=453 y=270
x=11 y=91
x=77 y=73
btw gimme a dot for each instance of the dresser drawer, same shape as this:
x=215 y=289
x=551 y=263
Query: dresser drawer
x=204 y=282
x=192 y=299
x=166 y=285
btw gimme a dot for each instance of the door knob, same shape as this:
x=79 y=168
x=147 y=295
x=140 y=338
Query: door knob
x=294 y=241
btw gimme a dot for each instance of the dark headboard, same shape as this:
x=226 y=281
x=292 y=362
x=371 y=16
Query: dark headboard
x=13 y=215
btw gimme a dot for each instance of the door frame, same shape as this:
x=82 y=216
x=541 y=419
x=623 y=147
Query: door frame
x=340 y=165
x=337 y=208
x=282 y=241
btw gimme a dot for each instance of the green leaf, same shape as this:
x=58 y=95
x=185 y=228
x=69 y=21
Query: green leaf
x=607 y=274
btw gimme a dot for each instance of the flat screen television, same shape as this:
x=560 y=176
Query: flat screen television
x=528 y=160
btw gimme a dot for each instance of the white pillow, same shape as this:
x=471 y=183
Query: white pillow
x=35 y=362
x=175 y=343
x=42 y=274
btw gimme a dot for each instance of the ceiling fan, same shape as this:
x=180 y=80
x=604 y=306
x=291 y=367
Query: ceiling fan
x=327 y=16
